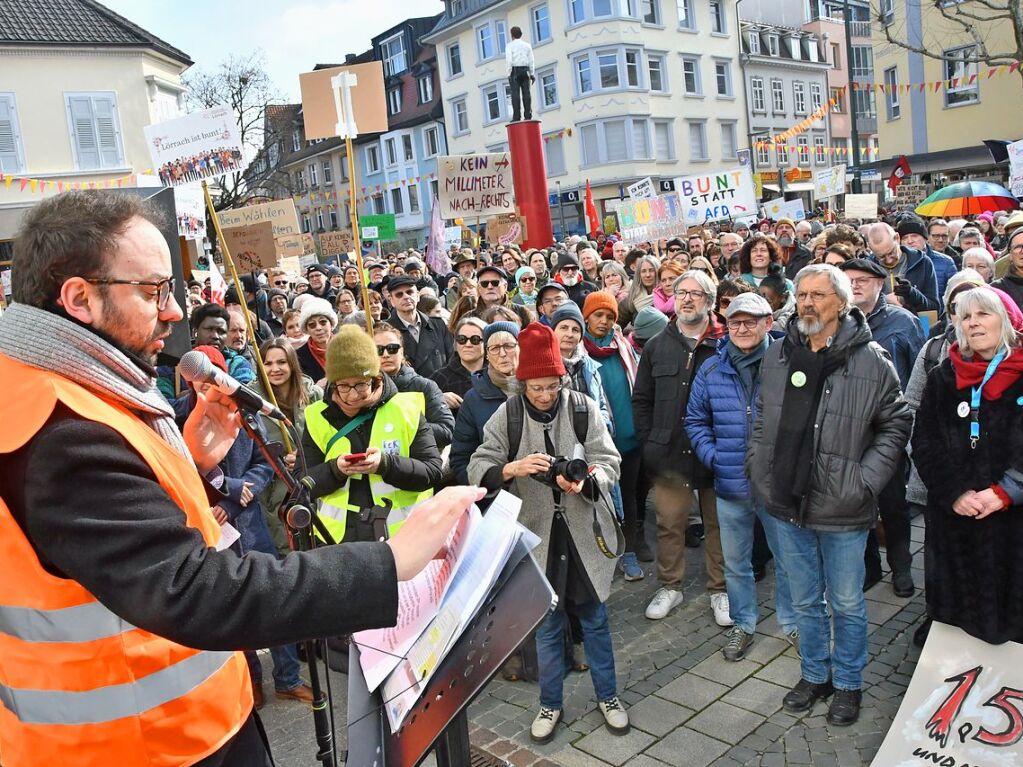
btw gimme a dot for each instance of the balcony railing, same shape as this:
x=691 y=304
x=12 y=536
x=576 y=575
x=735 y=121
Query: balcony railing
x=860 y=28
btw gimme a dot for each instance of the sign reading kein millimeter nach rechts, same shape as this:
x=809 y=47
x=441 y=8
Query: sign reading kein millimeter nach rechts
x=475 y=185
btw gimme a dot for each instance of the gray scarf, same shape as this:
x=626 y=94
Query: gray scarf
x=47 y=341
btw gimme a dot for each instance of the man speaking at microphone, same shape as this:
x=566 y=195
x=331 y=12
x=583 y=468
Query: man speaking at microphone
x=120 y=622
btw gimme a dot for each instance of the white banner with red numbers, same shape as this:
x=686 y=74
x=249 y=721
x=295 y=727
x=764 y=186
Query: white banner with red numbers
x=964 y=706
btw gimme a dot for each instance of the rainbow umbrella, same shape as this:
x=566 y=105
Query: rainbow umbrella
x=966 y=198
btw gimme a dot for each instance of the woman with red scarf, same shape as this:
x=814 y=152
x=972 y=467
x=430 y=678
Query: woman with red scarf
x=968 y=448
x=319 y=321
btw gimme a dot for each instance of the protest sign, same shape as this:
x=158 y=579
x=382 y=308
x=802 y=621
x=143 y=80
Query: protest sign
x=289 y=246
x=718 y=195
x=650 y=219
x=452 y=236
x=252 y=247
x=829 y=182
x=280 y=213
x=643 y=189
x=308 y=244
x=1015 y=150
x=782 y=208
x=506 y=229
x=290 y=264
x=475 y=185
x=335 y=243
x=861 y=206
x=319 y=110
x=377 y=227
x=196 y=146
x=962 y=707
x=190 y=211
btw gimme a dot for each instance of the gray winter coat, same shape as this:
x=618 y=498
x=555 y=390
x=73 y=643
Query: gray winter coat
x=537 y=512
x=861 y=428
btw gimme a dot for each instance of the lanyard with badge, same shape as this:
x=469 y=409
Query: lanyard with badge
x=974 y=409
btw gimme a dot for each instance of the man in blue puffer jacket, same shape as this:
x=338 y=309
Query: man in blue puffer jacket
x=719 y=422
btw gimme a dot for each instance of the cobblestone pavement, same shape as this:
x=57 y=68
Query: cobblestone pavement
x=687 y=705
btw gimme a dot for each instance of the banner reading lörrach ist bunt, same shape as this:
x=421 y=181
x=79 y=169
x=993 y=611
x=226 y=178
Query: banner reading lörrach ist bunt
x=197 y=146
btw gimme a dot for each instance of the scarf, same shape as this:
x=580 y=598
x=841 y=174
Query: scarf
x=747 y=364
x=970 y=372
x=574 y=369
x=611 y=344
x=319 y=353
x=793 y=448
x=50 y=342
x=510 y=385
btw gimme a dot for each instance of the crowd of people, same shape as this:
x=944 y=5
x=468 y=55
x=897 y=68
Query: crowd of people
x=198 y=166
x=753 y=388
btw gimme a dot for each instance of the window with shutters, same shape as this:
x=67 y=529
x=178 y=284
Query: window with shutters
x=95 y=130
x=554 y=153
x=616 y=140
x=12 y=153
x=664 y=140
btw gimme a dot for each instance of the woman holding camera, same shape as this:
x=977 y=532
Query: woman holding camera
x=562 y=512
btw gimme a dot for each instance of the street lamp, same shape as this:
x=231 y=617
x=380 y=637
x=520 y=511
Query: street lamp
x=561 y=211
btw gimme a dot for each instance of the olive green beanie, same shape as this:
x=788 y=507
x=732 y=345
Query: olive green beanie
x=352 y=354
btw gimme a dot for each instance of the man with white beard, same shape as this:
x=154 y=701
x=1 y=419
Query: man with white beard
x=572 y=278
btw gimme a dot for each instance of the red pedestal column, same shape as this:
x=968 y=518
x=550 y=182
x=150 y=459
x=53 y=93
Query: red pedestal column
x=529 y=175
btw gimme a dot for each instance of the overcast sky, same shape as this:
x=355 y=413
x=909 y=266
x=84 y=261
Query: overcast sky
x=294 y=34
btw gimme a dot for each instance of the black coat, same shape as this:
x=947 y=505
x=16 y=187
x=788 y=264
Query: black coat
x=580 y=290
x=438 y=415
x=1013 y=286
x=800 y=257
x=453 y=377
x=974 y=583
x=308 y=363
x=434 y=347
x=659 y=401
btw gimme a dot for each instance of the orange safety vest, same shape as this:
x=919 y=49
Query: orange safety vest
x=79 y=685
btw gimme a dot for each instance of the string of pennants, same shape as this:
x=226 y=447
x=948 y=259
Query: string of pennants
x=559 y=135
x=799 y=128
x=936 y=85
x=40 y=185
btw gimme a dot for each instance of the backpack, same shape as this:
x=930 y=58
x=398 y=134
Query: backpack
x=516 y=412
x=932 y=353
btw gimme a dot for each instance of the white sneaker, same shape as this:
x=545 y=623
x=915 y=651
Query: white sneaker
x=719 y=604
x=662 y=603
x=615 y=717
x=542 y=729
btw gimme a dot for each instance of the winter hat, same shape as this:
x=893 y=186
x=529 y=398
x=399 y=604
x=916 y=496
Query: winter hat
x=539 y=353
x=313 y=307
x=214 y=355
x=600 y=299
x=785 y=220
x=523 y=271
x=569 y=311
x=750 y=303
x=1011 y=308
x=275 y=293
x=986 y=216
x=501 y=326
x=567 y=259
x=649 y=322
x=866 y=266
x=352 y=354
x=911 y=225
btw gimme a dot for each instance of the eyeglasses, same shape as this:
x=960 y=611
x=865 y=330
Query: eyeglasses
x=527 y=278
x=401 y=294
x=816 y=296
x=939 y=236
x=164 y=288
x=747 y=324
x=490 y=283
x=552 y=389
x=471 y=340
x=570 y=268
x=388 y=348
x=674 y=250
x=862 y=280
x=1016 y=248
x=362 y=389
x=502 y=349
x=696 y=295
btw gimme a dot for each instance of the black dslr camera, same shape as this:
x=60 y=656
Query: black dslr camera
x=573 y=469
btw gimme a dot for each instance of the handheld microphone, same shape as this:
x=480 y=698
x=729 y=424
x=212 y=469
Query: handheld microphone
x=195 y=367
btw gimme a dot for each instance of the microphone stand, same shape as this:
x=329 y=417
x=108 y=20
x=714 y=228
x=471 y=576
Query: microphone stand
x=299 y=517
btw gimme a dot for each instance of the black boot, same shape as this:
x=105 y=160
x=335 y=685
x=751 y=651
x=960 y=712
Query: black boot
x=802 y=697
x=845 y=707
x=920 y=635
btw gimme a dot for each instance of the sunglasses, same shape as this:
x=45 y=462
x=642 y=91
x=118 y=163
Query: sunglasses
x=389 y=348
x=674 y=250
x=472 y=340
x=280 y=282
x=527 y=279
x=489 y=283
x=570 y=268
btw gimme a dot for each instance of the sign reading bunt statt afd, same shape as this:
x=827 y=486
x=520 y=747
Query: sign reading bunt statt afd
x=649 y=219
x=377 y=227
x=475 y=185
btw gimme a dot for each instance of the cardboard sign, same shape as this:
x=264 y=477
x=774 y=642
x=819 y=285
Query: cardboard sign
x=861 y=206
x=475 y=184
x=829 y=182
x=280 y=213
x=506 y=229
x=723 y=194
x=252 y=247
x=289 y=246
x=319 y=111
x=651 y=219
x=336 y=243
x=452 y=236
x=782 y=208
x=377 y=227
x=308 y=244
x=642 y=189
x=190 y=211
x=196 y=146
x=964 y=705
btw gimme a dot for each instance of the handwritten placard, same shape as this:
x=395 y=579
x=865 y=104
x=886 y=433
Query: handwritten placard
x=719 y=195
x=475 y=185
x=336 y=243
x=646 y=220
x=861 y=206
x=506 y=229
x=280 y=213
x=252 y=247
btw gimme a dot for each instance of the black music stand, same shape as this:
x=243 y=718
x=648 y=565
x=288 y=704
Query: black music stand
x=516 y=605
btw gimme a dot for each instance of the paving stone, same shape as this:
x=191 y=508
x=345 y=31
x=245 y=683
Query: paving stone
x=614 y=749
x=692 y=691
x=784 y=671
x=766 y=649
x=687 y=748
x=719 y=670
x=757 y=695
x=658 y=717
x=725 y=722
x=644 y=760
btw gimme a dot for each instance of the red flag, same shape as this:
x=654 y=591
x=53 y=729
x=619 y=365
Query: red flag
x=591 y=212
x=899 y=173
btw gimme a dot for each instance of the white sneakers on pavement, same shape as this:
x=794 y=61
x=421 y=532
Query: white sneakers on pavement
x=663 y=603
x=719 y=604
x=543 y=727
x=615 y=717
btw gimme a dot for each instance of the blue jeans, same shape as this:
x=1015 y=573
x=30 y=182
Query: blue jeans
x=820 y=563
x=550 y=653
x=285 y=671
x=736 y=520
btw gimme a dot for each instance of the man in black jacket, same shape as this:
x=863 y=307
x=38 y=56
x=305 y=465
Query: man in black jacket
x=659 y=401
x=576 y=284
x=793 y=254
x=428 y=344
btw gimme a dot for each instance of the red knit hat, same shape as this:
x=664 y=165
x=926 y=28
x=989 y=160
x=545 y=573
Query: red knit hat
x=600 y=299
x=539 y=353
x=214 y=355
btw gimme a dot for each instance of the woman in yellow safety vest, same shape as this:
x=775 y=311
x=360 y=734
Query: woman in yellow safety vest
x=366 y=442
